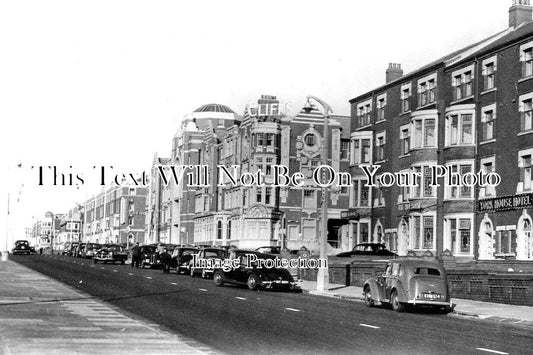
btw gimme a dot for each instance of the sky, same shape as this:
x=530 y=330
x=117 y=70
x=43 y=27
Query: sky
x=106 y=83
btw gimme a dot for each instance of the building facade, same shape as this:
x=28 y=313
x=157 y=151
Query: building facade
x=470 y=114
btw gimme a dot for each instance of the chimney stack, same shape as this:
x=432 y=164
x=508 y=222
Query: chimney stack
x=393 y=72
x=519 y=13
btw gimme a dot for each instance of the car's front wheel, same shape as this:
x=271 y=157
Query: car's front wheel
x=369 y=302
x=253 y=282
x=218 y=278
x=395 y=302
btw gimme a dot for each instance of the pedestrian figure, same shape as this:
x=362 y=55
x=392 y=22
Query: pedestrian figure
x=135 y=255
x=165 y=260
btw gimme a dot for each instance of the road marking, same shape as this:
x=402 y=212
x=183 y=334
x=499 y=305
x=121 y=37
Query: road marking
x=202 y=289
x=74 y=262
x=129 y=273
x=92 y=265
x=83 y=263
x=103 y=268
x=115 y=270
x=491 y=351
x=292 y=309
x=173 y=283
x=368 y=326
x=241 y=298
x=149 y=277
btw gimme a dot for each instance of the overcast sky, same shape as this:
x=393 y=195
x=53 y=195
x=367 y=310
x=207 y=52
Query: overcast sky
x=107 y=82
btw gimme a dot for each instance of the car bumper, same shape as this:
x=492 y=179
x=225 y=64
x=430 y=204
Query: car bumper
x=278 y=283
x=430 y=303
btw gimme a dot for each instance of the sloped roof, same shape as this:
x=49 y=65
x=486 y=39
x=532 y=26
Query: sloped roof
x=214 y=108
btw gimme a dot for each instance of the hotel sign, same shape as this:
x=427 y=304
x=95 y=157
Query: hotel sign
x=505 y=203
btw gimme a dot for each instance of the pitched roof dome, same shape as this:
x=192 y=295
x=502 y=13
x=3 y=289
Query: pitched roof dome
x=214 y=108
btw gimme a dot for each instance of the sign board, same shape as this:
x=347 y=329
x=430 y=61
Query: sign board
x=504 y=203
x=350 y=214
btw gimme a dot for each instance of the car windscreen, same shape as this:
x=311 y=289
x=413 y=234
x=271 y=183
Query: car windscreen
x=214 y=253
x=148 y=249
x=427 y=271
x=93 y=246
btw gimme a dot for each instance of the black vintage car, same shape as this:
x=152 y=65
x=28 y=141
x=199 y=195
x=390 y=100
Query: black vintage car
x=111 y=253
x=181 y=258
x=71 y=249
x=202 y=263
x=79 y=250
x=90 y=249
x=23 y=247
x=253 y=269
x=149 y=257
x=368 y=249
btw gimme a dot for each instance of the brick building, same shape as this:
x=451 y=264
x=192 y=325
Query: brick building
x=469 y=111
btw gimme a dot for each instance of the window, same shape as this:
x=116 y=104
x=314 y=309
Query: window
x=363 y=113
x=381 y=103
x=380 y=146
x=457 y=189
x=379 y=199
x=487 y=122
x=459 y=235
x=424 y=132
x=361 y=194
x=362 y=151
x=310 y=139
x=526 y=171
x=462 y=83
x=526 y=57
x=361 y=232
x=309 y=199
x=268 y=195
x=487 y=165
x=526 y=112
x=259 y=137
x=406 y=97
x=427 y=90
x=423 y=232
x=309 y=229
x=459 y=129
x=489 y=73
x=258 y=195
x=405 y=140
x=423 y=186
x=345 y=150
x=270 y=139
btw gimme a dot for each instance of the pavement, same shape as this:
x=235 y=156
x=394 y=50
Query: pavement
x=497 y=312
x=39 y=315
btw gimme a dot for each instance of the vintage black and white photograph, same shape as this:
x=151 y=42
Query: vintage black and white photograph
x=266 y=177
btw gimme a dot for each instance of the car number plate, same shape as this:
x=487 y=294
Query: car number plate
x=432 y=296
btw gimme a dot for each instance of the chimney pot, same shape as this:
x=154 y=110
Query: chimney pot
x=393 y=72
x=520 y=12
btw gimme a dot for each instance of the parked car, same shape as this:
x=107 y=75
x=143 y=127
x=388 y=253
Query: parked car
x=79 y=249
x=409 y=282
x=66 y=248
x=148 y=256
x=269 y=250
x=373 y=249
x=71 y=250
x=206 y=256
x=23 y=247
x=90 y=249
x=111 y=253
x=181 y=258
x=252 y=274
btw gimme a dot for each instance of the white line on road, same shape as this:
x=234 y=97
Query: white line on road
x=103 y=268
x=129 y=273
x=202 y=289
x=92 y=265
x=173 y=283
x=292 y=309
x=491 y=351
x=368 y=326
x=115 y=270
x=83 y=263
x=241 y=298
x=74 y=262
x=148 y=277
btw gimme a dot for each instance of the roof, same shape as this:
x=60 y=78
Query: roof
x=214 y=108
x=461 y=55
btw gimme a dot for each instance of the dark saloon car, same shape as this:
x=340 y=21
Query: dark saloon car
x=181 y=258
x=409 y=282
x=111 y=253
x=90 y=249
x=71 y=249
x=79 y=250
x=368 y=249
x=23 y=247
x=202 y=263
x=148 y=255
x=254 y=270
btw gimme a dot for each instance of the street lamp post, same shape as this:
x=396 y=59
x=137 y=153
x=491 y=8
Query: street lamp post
x=323 y=273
